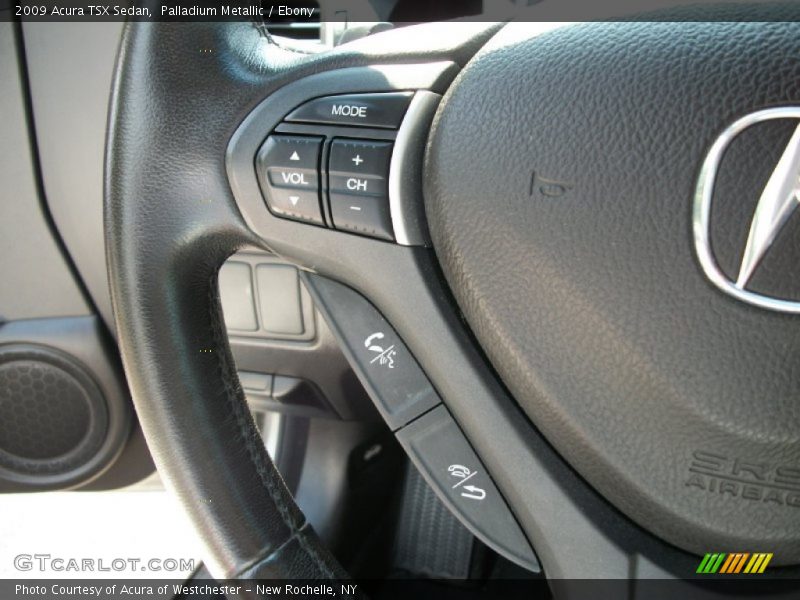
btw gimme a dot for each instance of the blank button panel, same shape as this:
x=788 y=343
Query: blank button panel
x=263 y=298
x=279 y=299
x=236 y=291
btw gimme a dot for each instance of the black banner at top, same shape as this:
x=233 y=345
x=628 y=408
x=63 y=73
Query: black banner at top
x=309 y=13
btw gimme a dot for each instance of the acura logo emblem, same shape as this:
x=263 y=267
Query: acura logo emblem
x=778 y=201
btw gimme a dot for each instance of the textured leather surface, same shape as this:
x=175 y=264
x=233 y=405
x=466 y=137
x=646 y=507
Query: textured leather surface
x=180 y=91
x=588 y=298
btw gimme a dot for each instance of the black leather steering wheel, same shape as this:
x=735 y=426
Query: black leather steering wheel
x=570 y=332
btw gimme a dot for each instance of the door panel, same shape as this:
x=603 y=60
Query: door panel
x=35 y=278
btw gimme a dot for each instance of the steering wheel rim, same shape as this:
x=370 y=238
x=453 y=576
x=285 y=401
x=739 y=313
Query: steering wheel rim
x=170 y=224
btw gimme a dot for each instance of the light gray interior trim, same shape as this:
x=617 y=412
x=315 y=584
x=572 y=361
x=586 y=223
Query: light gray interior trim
x=70 y=66
x=36 y=279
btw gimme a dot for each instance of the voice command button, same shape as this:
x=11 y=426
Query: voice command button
x=448 y=463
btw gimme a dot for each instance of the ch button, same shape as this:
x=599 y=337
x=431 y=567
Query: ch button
x=288 y=169
x=358 y=174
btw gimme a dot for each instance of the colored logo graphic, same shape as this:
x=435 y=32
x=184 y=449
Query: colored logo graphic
x=734 y=563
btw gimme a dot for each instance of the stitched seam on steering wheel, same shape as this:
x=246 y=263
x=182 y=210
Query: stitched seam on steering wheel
x=247 y=428
x=262 y=29
x=299 y=535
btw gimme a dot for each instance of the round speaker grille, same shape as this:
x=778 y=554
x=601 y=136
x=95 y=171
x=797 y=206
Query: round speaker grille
x=53 y=418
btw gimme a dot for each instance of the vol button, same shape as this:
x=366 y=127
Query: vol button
x=282 y=177
x=287 y=167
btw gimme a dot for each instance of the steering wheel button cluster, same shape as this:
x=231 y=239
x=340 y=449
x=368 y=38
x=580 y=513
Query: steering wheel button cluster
x=423 y=425
x=288 y=169
x=366 y=110
x=336 y=161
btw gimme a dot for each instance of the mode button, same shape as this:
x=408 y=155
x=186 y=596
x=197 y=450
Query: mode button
x=366 y=110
